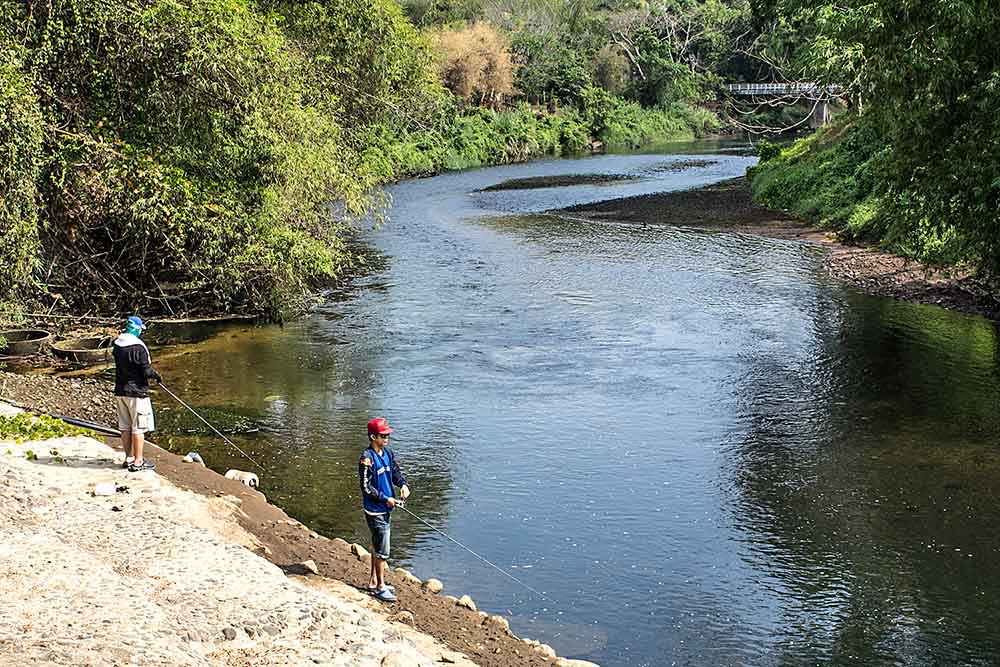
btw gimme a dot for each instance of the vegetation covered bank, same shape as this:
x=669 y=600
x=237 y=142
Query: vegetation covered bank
x=914 y=166
x=182 y=155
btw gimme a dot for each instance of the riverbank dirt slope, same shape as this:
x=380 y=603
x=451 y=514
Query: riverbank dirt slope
x=729 y=206
x=259 y=530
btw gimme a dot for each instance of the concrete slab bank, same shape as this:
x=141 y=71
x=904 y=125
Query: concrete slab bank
x=154 y=575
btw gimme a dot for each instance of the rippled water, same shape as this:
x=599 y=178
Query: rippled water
x=701 y=449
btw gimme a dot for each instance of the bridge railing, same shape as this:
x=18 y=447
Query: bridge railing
x=768 y=89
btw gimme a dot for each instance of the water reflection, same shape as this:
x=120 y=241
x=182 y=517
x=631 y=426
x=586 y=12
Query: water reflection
x=296 y=400
x=864 y=491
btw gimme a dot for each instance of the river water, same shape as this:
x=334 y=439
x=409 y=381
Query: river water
x=701 y=449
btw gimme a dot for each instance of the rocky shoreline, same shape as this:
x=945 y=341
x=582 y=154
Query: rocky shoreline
x=221 y=576
x=729 y=206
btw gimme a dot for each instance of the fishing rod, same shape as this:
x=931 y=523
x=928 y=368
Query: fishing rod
x=228 y=441
x=491 y=564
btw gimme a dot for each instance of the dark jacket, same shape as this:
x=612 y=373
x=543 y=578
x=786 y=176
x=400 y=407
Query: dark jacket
x=132 y=369
x=378 y=472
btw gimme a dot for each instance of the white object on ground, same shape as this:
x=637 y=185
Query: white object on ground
x=248 y=478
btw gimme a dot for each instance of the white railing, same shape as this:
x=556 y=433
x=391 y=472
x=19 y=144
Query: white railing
x=763 y=89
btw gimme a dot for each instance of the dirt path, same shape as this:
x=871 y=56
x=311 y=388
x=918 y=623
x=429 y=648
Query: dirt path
x=728 y=206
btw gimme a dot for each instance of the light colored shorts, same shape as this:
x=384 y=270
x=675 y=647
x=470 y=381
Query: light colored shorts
x=134 y=414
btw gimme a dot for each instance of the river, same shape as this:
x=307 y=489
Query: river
x=703 y=450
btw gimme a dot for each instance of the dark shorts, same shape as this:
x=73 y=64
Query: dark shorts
x=379 y=524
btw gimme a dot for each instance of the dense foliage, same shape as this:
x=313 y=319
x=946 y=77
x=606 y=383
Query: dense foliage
x=184 y=160
x=830 y=177
x=475 y=64
x=20 y=156
x=182 y=155
x=925 y=75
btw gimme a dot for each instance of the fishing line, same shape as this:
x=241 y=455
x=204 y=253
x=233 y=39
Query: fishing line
x=228 y=441
x=495 y=567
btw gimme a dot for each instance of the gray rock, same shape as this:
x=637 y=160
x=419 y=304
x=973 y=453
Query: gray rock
x=229 y=633
x=433 y=586
x=311 y=566
x=466 y=601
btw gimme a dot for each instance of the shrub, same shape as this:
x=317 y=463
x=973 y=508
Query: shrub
x=549 y=70
x=767 y=150
x=475 y=64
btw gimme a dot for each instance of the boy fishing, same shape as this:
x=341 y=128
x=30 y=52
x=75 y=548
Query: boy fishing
x=378 y=472
x=132 y=375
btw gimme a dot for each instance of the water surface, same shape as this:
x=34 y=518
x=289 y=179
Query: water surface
x=704 y=451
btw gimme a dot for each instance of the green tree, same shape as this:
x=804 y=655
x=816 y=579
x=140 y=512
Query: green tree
x=549 y=70
x=928 y=73
x=677 y=47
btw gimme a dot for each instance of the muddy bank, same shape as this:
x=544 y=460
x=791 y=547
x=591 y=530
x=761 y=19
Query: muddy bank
x=728 y=206
x=560 y=181
x=287 y=543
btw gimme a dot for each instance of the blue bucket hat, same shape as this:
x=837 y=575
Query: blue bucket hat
x=134 y=325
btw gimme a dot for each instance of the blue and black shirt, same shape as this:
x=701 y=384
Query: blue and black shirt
x=378 y=472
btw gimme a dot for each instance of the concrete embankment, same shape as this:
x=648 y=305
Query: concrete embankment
x=154 y=575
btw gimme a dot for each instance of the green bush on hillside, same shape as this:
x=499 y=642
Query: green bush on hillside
x=824 y=176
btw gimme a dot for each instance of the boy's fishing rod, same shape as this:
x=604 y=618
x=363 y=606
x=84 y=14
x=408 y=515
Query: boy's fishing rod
x=228 y=441
x=495 y=567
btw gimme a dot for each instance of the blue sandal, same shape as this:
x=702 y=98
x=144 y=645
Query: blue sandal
x=386 y=595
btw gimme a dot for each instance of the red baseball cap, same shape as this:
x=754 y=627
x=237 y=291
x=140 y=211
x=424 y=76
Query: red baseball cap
x=378 y=426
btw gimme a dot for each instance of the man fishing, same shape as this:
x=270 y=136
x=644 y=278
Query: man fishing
x=132 y=374
x=378 y=472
